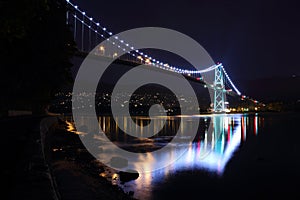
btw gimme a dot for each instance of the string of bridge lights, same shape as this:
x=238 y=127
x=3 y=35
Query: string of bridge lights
x=126 y=47
x=236 y=90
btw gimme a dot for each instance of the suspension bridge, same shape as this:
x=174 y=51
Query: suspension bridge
x=88 y=33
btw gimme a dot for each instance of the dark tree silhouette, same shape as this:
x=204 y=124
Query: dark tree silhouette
x=36 y=47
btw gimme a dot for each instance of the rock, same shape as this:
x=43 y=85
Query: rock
x=128 y=175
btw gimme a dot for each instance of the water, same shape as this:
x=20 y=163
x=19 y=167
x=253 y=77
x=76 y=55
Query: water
x=238 y=150
x=210 y=151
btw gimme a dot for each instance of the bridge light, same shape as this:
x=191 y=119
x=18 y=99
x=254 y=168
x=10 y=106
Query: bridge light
x=132 y=48
x=104 y=29
x=121 y=41
x=97 y=24
x=101 y=48
x=91 y=18
x=83 y=13
x=110 y=33
x=75 y=7
x=116 y=37
x=127 y=45
x=137 y=50
x=140 y=57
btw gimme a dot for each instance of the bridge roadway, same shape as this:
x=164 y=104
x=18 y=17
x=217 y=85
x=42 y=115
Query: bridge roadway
x=131 y=64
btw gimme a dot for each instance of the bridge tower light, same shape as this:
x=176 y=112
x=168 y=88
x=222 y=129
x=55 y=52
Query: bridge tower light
x=219 y=94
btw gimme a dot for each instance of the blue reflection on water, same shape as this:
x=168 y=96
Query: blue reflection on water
x=210 y=153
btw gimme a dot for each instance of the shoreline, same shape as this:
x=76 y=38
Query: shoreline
x=77 y=174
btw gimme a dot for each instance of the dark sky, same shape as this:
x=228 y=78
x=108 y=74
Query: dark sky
x=253 y=39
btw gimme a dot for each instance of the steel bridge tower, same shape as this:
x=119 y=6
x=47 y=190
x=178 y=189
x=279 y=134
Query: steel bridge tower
x=219 y=91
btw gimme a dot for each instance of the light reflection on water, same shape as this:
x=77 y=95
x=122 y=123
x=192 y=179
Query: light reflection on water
x=211 y=149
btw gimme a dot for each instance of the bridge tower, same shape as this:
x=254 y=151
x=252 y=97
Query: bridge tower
x=219 y=91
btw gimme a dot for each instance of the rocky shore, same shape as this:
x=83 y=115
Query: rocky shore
x=77 y=174
x=50 y=163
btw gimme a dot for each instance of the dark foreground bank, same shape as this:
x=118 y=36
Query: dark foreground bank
x=64 y=171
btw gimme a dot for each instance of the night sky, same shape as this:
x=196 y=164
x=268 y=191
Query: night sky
x=253 y=39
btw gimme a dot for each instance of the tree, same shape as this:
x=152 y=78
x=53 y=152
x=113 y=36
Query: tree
x=36 y=48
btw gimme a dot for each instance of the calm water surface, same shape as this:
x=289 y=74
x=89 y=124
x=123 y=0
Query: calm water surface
x=210 y=150
x=234 y=142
